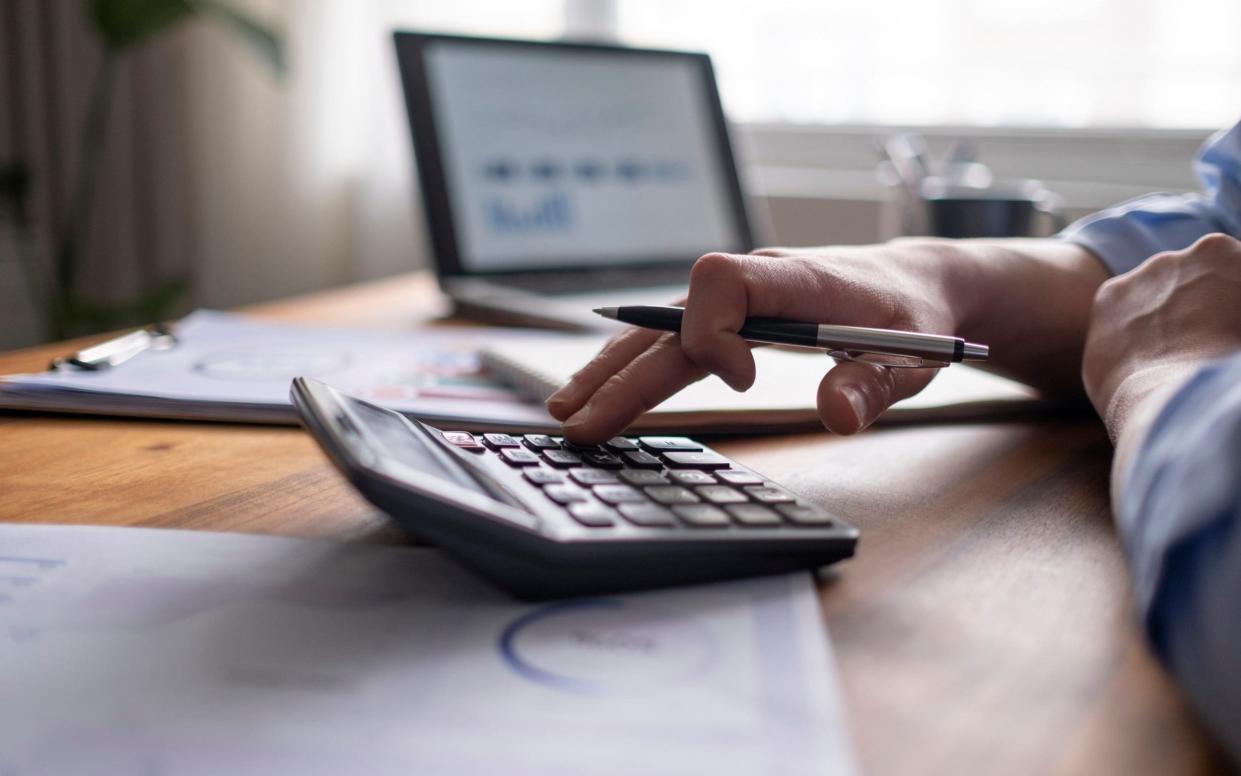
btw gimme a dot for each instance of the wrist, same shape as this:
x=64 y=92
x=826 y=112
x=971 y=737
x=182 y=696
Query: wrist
x=1132 y=410
x=1140 y=393
x=947 y=273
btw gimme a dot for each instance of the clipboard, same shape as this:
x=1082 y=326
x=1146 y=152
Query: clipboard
x=118 y=350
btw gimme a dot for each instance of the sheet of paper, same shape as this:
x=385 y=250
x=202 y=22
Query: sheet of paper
x=229 y=366
x=785 y=388
x=166 y=653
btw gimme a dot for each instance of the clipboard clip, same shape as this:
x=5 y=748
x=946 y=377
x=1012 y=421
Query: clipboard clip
x=118 y=350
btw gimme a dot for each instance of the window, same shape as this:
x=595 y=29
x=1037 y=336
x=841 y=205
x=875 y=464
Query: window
x=1053 y=63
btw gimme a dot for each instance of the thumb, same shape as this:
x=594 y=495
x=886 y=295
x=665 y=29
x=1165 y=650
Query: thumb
x=853 y=394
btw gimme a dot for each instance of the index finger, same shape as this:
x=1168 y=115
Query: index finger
x=615 y=355
x=655 y=374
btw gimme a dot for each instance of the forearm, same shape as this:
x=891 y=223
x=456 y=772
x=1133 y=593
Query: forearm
x=1028 y=299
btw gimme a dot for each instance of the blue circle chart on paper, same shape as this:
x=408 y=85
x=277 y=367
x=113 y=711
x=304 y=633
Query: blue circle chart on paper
x=606 y=646
x=260 y=365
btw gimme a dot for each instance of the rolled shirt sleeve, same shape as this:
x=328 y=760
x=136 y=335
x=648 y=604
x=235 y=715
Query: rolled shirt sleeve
x=1127 y=234
x=1180 y=520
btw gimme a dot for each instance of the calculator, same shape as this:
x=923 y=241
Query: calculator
x=545 y=518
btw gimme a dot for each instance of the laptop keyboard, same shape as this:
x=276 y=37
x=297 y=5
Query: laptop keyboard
x=650 y=482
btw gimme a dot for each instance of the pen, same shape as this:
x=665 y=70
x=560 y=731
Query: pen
x=854 y=343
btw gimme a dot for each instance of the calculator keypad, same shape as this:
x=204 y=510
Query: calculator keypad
x=653 y=483
x=701 y=515
x=671 y=494
x=721 y=494
x=647 y=515
x=642 y=459
x=755 y=515
x=696 y=460
x=592 y=515
x=562 y=458
x=543 y=476
x=691 y=477
x=592 y=476
x=515 y=456
x=643 y=477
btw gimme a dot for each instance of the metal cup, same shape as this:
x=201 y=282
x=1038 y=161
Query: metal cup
x=1018 y=208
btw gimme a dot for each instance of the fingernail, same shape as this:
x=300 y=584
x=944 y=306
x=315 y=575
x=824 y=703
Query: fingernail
x=858 y=402
x=578 y=418
x=560 y=399
x=560 y=396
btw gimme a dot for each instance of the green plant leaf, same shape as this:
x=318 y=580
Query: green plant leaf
x=265 y=42
x=124 y=23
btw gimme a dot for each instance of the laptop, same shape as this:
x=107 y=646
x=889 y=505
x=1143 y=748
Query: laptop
x=558 y=177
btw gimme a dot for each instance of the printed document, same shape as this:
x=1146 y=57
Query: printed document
x=158 y=652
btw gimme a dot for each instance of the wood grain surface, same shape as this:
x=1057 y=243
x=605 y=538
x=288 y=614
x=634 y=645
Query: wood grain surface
x=985 y=625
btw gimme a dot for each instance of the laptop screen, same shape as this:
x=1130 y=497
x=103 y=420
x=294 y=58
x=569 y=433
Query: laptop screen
x=567 y=156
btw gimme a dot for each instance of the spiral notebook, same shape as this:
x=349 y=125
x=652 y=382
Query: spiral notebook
x=781 y=399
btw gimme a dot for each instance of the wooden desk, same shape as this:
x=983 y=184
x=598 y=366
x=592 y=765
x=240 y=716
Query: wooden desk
x=984 y=626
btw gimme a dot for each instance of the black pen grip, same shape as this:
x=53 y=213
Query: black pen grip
x=780 y=331
x=773 y=330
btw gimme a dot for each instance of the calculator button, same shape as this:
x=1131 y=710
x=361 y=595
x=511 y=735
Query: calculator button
x=671 y=494
x=543 y=476
x=602 y=460
x=701 y=515
x=805 y=514
x=734 y=477
x=643 y=477
x=721 y=494
x=562 y=459
x=497 y=441
x=592 y=476
x=691 y=477
x=768 y=494
x=755 y=515
x=620 y=444
x=540 y=442
x=700 y=460
x=581 y=449
x=592 y=515
x=642 y=460
x=646 y=515
x=515 y=456
x=566 y=494
x=463 y=439
x=619 y=494
x=670 y=444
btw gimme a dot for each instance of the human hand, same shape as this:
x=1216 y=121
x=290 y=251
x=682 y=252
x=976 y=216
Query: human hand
x=1151 y=328
x=874 y=286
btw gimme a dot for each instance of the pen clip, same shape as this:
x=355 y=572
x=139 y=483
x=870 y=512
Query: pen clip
x=891 y=360
x=118 y=350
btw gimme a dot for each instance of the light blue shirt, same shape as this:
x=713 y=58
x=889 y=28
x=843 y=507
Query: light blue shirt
x=1180 y=514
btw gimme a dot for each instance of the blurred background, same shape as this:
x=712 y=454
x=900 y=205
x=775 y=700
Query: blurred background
x=253 y=149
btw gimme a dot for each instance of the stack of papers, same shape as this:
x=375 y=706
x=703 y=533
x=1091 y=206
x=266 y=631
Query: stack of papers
x=137 y=651
x=234 y=368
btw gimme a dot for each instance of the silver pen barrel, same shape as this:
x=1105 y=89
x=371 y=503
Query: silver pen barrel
x=933 y=347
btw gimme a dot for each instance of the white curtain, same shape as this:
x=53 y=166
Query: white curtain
x=302 y=184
